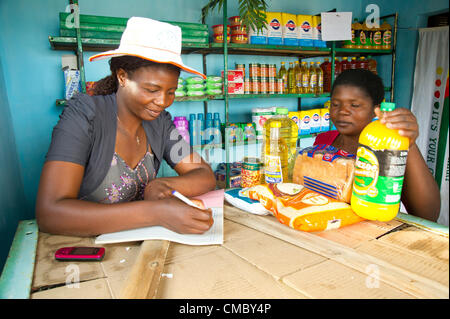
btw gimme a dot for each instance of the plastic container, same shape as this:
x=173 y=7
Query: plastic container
x=279 y=147
x=218 y=38
x=234 y=21
x=372 y=64
x=239 y=29
x=182 y=126
x=379 y=170
x=345 y=64
x=218 y=29
x=240 y=38
x=386 y=33
x=326 y=68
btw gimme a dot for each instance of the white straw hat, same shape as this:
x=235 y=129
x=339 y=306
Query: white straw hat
x=151 y=40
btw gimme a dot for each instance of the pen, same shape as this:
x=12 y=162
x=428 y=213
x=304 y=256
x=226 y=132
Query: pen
x=184 y=199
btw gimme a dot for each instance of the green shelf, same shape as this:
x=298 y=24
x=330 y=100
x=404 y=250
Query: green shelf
x=266 y=49
x=347 y=51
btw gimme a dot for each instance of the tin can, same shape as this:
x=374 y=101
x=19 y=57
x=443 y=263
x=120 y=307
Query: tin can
x=263 y=71
x=272 y=71
x=250 y=172
x=254 y=86
x=247 y=86
x=271 y=86
x=279 y=86
x=240 y=67
x=264 y=86
x=254 y=70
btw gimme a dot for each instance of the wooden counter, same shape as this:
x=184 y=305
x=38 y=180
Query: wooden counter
x=261 y=258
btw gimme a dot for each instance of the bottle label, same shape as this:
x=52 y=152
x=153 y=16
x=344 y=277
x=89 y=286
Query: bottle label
x=272 y=169
x=362 y=37
x=379 y=175
x=313 y=81
x=305 y=80
x=320 y=80
x=387 y=37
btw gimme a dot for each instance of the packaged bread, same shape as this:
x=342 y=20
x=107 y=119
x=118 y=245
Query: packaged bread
x=301 y=208
x=326 y=170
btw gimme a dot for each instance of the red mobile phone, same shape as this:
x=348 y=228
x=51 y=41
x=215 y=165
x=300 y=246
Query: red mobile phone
x=80 y=254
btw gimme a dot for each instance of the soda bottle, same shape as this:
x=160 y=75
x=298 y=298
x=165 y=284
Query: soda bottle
x=363 y=64
x=345 y=64
x=298 y=78
x=282 y=74
x=337 y=67
x=353 y=64
x=279 y=147
x=291 y=78
x=305 y=78
x=358 y=29
x=386 y=34
x=368 y=35
x=312 y=78
x=376 y=38
x=326 y=68
x=372 y=64
x=363 y=36
x=319 y=72
x=379 y=170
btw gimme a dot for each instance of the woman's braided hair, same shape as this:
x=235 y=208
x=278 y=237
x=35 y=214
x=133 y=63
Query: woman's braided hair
x=363 y=79
x=129 y=64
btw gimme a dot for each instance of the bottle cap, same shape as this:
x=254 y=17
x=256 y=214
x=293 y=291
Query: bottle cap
x=282 y=110
x=387 y=106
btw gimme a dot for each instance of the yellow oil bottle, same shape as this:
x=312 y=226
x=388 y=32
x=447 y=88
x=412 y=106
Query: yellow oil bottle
x=291 y=78
x=379 y=170
x=298 y=78
x=305 y=78
x=282 y=74
x=312 y=78
x=319 y=72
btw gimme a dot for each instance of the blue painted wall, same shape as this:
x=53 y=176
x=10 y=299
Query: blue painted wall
x=32 y=79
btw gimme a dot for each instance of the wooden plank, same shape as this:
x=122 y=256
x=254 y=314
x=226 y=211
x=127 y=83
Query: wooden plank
x=17 y=274
x=92 y=289
x=142 y=283
x=404 y=279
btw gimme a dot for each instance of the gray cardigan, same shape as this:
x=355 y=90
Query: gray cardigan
x=86 y=134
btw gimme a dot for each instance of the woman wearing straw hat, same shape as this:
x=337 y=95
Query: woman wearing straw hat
x=99 y=174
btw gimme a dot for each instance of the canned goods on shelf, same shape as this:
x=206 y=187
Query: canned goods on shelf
x=272 y=71
x=240 y=67
x=250 y=172
x=254 y=70
x=263 y=71
x=271 y=87
x=254 y=86
x=280 y=86
x=247 y=86
x=264 y=86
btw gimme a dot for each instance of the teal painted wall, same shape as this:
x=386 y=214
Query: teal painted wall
x=32 y=78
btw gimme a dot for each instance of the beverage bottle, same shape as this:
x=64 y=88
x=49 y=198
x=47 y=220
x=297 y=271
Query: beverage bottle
x=216 y=130
x=358 y=29
x=200 y=127
x=208 y=134
x=282 y=74
x=376 y=38
x=291 y=78
x=326 y=68
x=305 y=78
x=319 y=72
x=379 y=170
x=337 y=67
x=363 y=64
x=182 y=126
x=298 y=78
x=312 y=78
x=345 y=64
x=368 y=34
x=386 y=34
x=363 y=36
x=353 y=64
x=193 y=130
x=372 y=64
x=279 y=147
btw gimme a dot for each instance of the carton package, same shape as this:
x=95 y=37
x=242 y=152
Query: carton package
x=316 y=123
x=295 y=116
x=289 y=29
x=257 y=37
x=259 y=116
x=235 y=76
x=72 y=80
x=317 y=32
x=304 y=27
x=235 y=88
x=305 y=122
x=325 y=120
x=274 y=30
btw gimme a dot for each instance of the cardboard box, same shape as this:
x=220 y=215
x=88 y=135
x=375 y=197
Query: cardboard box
x=72 y=79
x=305 y=32
x=236 y=76
x=235 y=88
x=274 y=30
x=289 y=29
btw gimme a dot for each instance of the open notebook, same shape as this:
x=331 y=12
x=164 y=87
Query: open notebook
x=214 y=236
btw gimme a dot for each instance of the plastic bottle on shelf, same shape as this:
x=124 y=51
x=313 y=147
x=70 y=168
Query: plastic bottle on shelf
x=291 y=78
x=386 y=33
x=200 y=127
x=376 y=38
x=193 y=130
x=208 y=134
x=312 y=78
x=182 y=126
x=279 y=147
x=353 y=64
x=216 y=130
x=358 y=29
x=282 y=74
x=298 y=77
x=305 y=78
x=345 y=64
x=379 y=170
x=368 y=34
x=372 y=64
x=363 y=64
x=319 y=72
x=326 y=68
x=337 y=67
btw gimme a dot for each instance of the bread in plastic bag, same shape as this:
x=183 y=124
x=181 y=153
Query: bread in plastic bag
x=326 y=170
x=301 y=208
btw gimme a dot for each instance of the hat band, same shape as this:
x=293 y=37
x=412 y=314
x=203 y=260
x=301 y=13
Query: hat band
x=148 y=47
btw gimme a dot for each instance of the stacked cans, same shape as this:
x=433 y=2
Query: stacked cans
x=260 y=79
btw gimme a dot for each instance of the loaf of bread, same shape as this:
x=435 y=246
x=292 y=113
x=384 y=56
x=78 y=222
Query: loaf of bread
x=326 y=170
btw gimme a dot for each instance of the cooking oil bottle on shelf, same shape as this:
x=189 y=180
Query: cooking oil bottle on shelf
x=312 y=78
x=305 y=78
x=291 y=78
x=282 y=74
x=279 y=147
x=379 y=170
x=298 y=78
x=319 y=72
